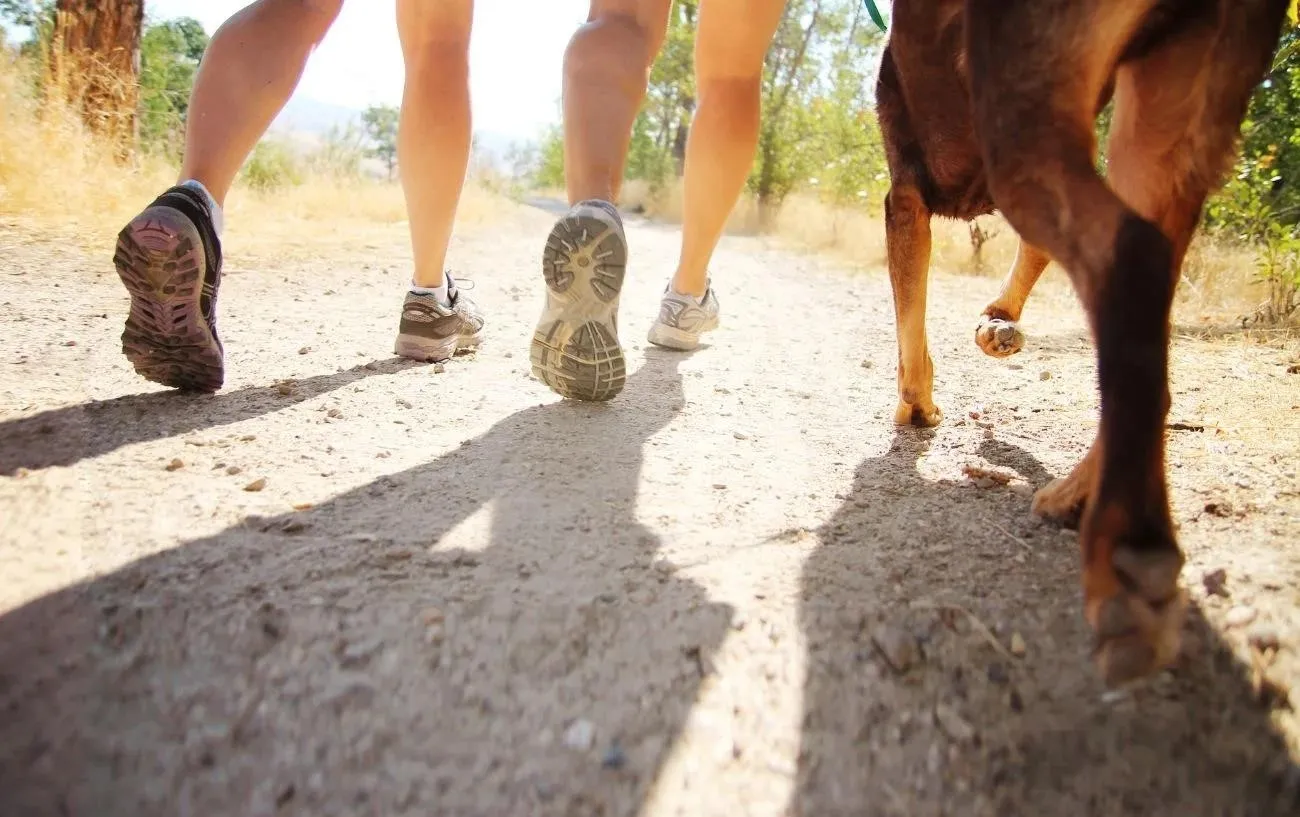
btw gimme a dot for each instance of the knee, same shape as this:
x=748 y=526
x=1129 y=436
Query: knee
x=312 y=18
x=610 y=44
x=740 y=95
x=438 y=55
x=323 y=10
x=904 y=206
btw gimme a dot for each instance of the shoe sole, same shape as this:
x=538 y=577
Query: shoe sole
x=670 y=337
x=160 y=260
x=575 y=349
x=426 y=351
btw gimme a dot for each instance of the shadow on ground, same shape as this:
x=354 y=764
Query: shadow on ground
x=371 y=655
x=969 y=730
x=64 y=436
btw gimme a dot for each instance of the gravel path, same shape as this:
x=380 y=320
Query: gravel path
x=349 y=585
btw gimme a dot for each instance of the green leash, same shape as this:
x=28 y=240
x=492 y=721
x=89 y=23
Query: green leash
x=874 y=14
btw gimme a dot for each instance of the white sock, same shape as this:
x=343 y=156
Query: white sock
x=217 y=218
x=442 y=293
x=698 y=300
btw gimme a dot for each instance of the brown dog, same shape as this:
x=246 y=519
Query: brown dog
x=992 y=103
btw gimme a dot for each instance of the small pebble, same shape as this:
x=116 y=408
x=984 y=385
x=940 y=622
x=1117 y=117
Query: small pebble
x=1018 y=648
x=1215 y=582
x=439 y=368
x=665 y=567
x=256 y=485
x=406 y=404
x=614 y=757
x=233 y=470
x=997 y=673
x=740 y=435
x=175 y=465
x=953 y=724
x=718 y=486
x=435 y=633
x=867 y=364
x=580 y=735
x=303 y=506
x=334 y=414
x=1240 y=616
x=897 y=645
x=304 y=350
x=1044 y=375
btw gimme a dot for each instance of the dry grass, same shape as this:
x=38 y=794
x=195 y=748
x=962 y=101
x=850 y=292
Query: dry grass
x=52 y=168
x=1219 y=278
x=56 y=178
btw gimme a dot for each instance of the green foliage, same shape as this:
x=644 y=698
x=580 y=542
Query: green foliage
x=548 y=165
x=658 y=147
x=272 y=166
x=170 y=52
x=380 y=122
x=1260 y=204
x=340 y=156
x=818 y=129
x=35 y=15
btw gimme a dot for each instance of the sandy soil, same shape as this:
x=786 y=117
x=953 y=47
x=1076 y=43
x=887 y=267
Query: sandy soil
x=348 y=585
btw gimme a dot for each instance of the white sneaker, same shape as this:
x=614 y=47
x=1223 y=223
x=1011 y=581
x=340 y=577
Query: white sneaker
x=683 y=318
x=575 y=347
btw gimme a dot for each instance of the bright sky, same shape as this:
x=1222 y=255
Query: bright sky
x=515 y=56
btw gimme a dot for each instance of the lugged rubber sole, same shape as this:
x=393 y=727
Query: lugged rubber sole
x=160 y=260
x=428 y=351
x=575 y=349
x=670 y=337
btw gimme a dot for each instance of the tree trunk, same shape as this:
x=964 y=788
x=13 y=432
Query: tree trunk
x=95 y=65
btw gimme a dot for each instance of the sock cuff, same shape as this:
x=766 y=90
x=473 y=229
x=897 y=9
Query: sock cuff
x=218 y=218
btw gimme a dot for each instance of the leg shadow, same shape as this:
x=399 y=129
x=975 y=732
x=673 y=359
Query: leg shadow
x=65 y=436
x=915 y=704
x=484 y=634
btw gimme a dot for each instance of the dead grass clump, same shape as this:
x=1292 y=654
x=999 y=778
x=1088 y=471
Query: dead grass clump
x=52 y=168
x=57 y=177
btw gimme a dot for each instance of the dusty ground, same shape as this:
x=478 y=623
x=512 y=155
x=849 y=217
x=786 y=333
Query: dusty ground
x=456 y=595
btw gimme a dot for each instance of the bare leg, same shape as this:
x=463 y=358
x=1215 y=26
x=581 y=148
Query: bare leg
x=997 y=334
x=575 y=348
x=434 y=136
x=249 y=71
x=606 y=69
x=169 y=256
x=730 y=45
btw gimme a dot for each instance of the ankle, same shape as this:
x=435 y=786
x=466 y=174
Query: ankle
x=690 y=288
x=214 y=206
x=442 y=292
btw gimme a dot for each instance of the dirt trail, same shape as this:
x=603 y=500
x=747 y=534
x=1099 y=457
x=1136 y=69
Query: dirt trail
x=456 y=595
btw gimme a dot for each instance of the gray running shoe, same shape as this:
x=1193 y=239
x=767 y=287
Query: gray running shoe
x=432 y=332
x=682 y=319
x=575 y=348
